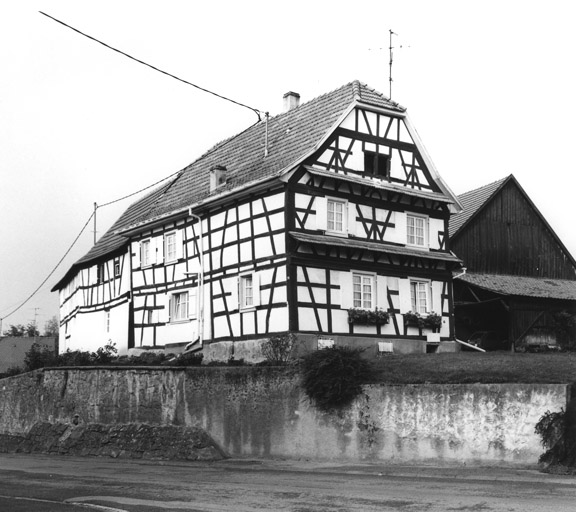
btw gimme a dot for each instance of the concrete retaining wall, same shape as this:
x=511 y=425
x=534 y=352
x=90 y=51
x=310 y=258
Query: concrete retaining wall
x=260 y=412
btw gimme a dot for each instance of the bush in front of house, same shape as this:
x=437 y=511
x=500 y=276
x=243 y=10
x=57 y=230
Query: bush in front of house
x=333 y=377
x=279 y=349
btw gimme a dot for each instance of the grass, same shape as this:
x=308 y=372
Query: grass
x=470 y=367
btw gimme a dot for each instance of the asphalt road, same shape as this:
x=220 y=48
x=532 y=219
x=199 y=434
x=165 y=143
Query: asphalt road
x=31 y=483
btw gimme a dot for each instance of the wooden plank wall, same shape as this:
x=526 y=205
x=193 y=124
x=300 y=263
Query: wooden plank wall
x=508 y=237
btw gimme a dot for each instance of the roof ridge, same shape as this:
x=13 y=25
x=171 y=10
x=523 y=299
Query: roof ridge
x=488 y=185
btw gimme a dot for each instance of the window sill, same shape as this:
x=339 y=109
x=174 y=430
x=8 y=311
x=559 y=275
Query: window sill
x=423 y=248
x=340 y=234
x=248 y=310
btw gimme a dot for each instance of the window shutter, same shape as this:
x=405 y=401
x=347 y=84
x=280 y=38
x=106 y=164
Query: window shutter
x=351 y=219
x=405 y=298
x=321 y=206
x=256 y=288
x=158 y=255
x=234 y=303
x=381 y=296
x=135 y=250
x=431 y=299
x=401 y=236
x=179 y=244
x=192 y=303
x=346 y=292
x=165 y=301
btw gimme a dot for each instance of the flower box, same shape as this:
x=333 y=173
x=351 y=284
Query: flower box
x=368 y=317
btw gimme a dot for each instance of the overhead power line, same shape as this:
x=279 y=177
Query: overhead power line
x=52 y=272
x=255 y=110
x=76 y=240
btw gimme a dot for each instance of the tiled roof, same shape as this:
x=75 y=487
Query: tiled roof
x=111 y=242
x=523 y=286
x=356 y=243
x=472 y=202
x=291 y=136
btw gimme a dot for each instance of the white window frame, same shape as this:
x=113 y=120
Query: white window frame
x=107 y=320
x=413 y=239
x=179 y=311
x=168 y=257
x=146 y=261
x=365 y=279
x=344 y=220
x=117 y=267
x=246 y=300
x=417 y=287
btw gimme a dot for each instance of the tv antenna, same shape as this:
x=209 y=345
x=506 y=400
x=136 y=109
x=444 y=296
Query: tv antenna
x=391 y=53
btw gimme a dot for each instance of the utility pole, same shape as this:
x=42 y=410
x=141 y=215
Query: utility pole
x=35 y=318
x=95 y=208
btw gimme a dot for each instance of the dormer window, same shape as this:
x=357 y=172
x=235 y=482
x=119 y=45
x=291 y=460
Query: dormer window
x=376 y=164
x=217 y=177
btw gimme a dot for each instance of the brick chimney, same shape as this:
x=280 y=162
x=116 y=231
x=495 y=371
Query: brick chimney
x=291 y=100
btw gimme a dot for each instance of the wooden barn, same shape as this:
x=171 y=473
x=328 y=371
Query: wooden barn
x=520 y=280
x=328 y=221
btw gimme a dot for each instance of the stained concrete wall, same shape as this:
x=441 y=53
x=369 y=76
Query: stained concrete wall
x=261 y=412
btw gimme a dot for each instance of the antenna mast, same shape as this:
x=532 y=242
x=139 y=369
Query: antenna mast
x=391 y=60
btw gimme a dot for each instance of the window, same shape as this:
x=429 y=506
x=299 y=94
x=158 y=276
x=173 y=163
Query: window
x=363 y=291
x=170 y=246
x=145 y=256
x=376 y=164
x=107 y=321
x=419 y=296
x=179 y=307
x=247 y=291
x=416 y=230
x=117 y=267
x=336 y=216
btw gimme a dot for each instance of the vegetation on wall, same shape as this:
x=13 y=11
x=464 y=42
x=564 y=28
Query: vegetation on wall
x=333 y=377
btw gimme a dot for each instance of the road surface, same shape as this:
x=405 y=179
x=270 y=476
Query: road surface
x=31 y=483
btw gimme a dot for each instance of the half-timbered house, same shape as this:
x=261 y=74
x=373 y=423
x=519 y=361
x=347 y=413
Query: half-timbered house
x=520 y=280
x=329 y=221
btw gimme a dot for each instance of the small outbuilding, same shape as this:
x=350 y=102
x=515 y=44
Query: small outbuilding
x=520 y=279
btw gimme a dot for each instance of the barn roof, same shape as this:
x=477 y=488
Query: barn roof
x=472 y=202
x=523 y=286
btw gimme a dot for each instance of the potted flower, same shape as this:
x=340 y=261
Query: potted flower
x=413 y=319
x=433 y=321
x=368 y=317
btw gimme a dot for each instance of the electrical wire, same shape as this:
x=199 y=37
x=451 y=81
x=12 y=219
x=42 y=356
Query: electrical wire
x=138 y=191
x=255 y=110
x=52 y=272
x=76 y=240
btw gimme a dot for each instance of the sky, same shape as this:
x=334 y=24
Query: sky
x=489 y=86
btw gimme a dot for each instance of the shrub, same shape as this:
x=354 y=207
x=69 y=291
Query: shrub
x=278 y=350
x=75 y=358
x=105 y=354
x=333 y=377
x=551 y=428
x=39 y=356
x=188 y=359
